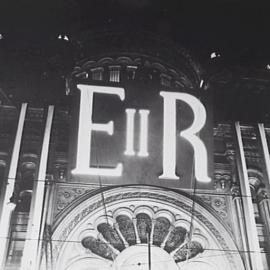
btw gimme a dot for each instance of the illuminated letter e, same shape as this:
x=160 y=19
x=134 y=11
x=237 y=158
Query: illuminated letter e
x=86 y=126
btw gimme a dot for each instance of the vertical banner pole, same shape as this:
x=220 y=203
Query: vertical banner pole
x=7 y=206
x=253 y=241
x=33 y=239
x=264 y=202
x=265 y=150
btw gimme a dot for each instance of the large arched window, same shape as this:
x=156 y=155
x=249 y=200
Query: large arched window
x=119 y=233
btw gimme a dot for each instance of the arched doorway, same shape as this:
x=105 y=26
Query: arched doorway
x=113 y=229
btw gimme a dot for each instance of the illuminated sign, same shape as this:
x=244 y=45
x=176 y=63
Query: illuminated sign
x=143 y=133
x=87 y=127
x=169 y=131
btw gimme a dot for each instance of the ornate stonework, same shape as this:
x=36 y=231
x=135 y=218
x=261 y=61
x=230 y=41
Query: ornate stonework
x=219 y=203
x=152 y=69
x=118 y=197
x=66 y=194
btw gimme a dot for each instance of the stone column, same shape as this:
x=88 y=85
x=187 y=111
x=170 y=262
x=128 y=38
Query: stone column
x=138 y=240
x=264 y=208
x=239 y=225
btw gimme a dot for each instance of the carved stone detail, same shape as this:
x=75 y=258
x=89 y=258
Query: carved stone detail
x=144 y=195
x=146 y=69
x=219 y=203
x=262 y=194
x=235 y=190
x=230 y=152
x=222 y=177
x=67 y=194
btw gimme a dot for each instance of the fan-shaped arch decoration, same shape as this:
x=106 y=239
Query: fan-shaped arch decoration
x=126 y=228
x=161 y=230
x=136 y=219
x=111 y=236
x=98 y=247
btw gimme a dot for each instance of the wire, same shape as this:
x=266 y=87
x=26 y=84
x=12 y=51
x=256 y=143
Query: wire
x=188 y=191
x=193 y=193
x=111 y=243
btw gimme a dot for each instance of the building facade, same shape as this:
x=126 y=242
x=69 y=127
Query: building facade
x=135 y=171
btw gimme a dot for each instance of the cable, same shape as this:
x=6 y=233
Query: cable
x=206 y=249
x=188 y=191
x=192 y=193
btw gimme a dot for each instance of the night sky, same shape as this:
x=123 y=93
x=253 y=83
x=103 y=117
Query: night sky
x=33 y=61
x=212 y=24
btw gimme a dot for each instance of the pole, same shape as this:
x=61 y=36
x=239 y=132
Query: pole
x=265 y=150
x=31 y=247
x=253 y=241
x=7 y=206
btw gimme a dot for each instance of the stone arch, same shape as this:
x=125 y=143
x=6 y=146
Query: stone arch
x=183 y=251
x=144 y=50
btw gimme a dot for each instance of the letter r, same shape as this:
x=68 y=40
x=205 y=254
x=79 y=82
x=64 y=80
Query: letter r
x=169 y=135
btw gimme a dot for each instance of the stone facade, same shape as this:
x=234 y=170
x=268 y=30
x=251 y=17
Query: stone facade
x=183 y=226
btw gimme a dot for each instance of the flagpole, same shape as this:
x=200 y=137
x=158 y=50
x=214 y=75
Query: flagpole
x=7 y=206
x=33 y=239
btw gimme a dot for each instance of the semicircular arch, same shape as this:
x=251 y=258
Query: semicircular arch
x=171 y=240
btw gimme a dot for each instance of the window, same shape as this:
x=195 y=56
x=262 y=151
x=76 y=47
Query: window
x=131 y=72
x=97 y=74
x=114 y=73
x=165 y=80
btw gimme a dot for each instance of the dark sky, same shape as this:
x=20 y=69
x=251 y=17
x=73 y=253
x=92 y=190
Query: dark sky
x=220 y=23
x=30 y=50
x=234 y=22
